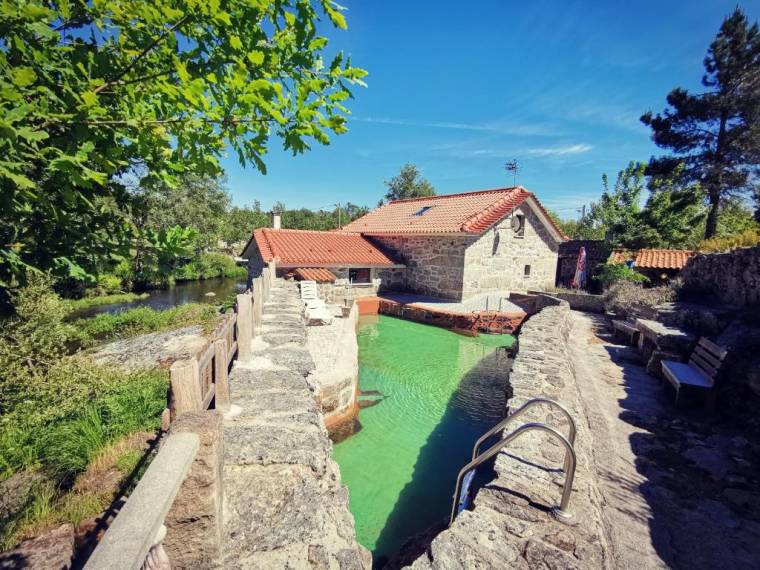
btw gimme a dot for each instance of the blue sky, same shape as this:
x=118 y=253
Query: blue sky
x=459 y=88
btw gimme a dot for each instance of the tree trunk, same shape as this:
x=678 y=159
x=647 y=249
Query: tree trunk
x=711 y=227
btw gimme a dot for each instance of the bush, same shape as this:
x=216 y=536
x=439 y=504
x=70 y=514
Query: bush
x=108 y=284
x=209 y=265
x=609 y=273
x=622 y=297
x=747 y=238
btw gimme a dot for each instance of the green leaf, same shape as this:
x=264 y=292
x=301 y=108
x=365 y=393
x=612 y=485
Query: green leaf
x=31 y=135
x=23 y=76
x=89 y=98
x=256 y=57
x=235 y=42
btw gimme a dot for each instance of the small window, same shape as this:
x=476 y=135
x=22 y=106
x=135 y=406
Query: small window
x=358 y=275
x=422 y=210
x=526 y=271
x=518 y=225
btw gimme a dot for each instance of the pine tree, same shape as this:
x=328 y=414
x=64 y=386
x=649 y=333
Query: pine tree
x=715 y=135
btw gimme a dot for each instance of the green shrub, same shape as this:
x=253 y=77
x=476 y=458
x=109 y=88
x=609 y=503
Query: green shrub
x=209 y=265
x=67 y=448
x=109 y=284
x=145 y=320
x=609 y=273
x=747 y=238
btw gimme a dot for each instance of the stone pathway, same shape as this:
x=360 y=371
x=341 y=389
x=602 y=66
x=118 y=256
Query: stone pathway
x=679 y=489
x=284 y=504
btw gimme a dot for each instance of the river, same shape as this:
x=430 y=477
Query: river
x=178 y=294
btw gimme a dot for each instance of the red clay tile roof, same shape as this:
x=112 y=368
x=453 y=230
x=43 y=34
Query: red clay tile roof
x=314 y=248
x=469 y=213
x=318 y=274
x=654 y=258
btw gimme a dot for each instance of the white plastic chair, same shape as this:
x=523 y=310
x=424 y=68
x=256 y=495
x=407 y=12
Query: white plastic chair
x=310 y=295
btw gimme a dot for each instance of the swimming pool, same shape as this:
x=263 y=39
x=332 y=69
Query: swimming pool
x=441 y=391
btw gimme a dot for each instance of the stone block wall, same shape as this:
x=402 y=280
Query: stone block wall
x=731 y=278
x=497 y=260
x=434 y=264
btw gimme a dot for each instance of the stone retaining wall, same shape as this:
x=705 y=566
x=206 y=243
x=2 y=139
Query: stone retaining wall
x=731 y=278
x=284 y=504
x=510 y=526
x=578 y=300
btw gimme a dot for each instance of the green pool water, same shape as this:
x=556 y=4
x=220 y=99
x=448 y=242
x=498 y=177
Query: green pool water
x=442 y=391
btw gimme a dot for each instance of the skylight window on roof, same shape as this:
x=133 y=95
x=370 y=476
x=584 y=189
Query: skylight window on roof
x=422 y=210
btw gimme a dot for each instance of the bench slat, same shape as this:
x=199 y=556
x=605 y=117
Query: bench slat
x=703 y=365
x=717 y=350
x=707 y=357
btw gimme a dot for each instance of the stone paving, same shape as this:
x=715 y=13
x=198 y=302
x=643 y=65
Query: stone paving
x=284 y=504
x=679 y=487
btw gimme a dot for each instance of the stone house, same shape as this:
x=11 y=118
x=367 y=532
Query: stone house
x=452 y=246
x=459 y=245
x=346 y=265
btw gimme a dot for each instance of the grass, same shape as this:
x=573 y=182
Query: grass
x=93 y=491
x=97 y=301
x=144 y=320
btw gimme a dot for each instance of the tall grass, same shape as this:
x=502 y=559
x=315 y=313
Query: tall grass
x=97 y=301
x=145 y=320
x=209 y=265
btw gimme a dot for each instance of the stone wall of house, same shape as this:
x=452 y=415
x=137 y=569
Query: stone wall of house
x=731 y=278
x=434 y=264
x=498 y=260
x=256 y=265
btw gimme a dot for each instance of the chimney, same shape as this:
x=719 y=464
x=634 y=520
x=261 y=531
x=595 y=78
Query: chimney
x=276 y=220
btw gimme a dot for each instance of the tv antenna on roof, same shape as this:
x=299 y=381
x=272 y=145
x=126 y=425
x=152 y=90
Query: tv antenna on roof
x=513 y=167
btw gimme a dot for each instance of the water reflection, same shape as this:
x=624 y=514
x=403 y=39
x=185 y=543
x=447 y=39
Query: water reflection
x=179 y=294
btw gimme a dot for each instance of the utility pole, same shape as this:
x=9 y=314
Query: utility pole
x=513 y=167
x=338 y=206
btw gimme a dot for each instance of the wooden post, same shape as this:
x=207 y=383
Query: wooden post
x=185 y=382
x=244 y=326
x=258 y=302
x=220 y=374
x=272 y=271
x=265 y=282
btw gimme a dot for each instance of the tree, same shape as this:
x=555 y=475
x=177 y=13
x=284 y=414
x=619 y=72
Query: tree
x=92 y=91
x=408 y=184
x=616 y=216
x=241 y=222
x=715 y=135
x=198 y=202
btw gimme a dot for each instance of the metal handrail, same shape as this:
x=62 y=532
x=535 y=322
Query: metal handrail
x=520 y=411
x=570 y=460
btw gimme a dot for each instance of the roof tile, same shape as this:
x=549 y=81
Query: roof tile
x=306 y=247
x=654 y=258
x=469 y=212
x=318 y=274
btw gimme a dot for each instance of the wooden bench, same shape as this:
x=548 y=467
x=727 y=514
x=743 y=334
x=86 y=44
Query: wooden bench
x=700 y=372
x=627 y=329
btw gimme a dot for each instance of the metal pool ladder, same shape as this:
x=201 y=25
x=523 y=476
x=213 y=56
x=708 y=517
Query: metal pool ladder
x=568 y=442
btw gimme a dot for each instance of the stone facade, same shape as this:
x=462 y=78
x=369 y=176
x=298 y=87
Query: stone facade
x=731 y=278
x=434 y=264
x=500 y=260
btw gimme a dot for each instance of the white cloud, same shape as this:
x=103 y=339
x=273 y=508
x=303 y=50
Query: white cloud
x=560 y=150
x=490 y=127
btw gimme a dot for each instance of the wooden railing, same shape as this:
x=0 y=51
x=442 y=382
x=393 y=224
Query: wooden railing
x=201 y=383
x=134 y=539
